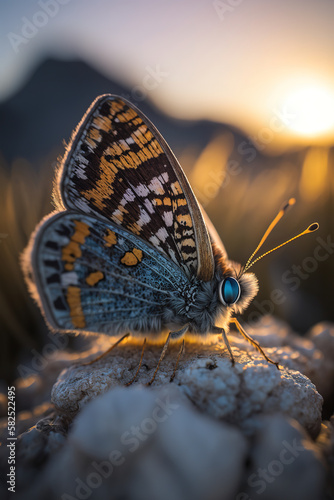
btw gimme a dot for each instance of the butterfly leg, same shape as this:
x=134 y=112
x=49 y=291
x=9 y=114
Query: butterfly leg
x=218 y=330
x=139 y=365
x=171 y=335
x=106 y=352
x=252 y=341
x=177 y=361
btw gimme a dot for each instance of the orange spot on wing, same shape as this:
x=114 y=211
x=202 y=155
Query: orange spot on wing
x=135 y=228
x=72 y=250
x=132 y=258
x=110 y=238
x=189 y=242
x=102 y=123
x=176 y=188
x=93 y=137
x=144 y=154
x=134 y=159
x=94 y=278
x=184 y=220
x=116 y=149
x=127 y=116
x=138 y=253
x=115 y=107
x=157 y=148
x=181 y=202
x=74 y=303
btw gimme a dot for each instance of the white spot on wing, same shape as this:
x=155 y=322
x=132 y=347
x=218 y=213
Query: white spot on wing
x=149 y=206
x=60 y=240
x=141 y=190
x=162 y=234
x=156 y=186
x=80 y=167
x=143 y=219
x=128 y=196
x=80 y=171
x=168 y=218
x=154 y=240
x=69 y=279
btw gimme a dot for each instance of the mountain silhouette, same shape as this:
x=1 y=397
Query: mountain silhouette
x=43 y=113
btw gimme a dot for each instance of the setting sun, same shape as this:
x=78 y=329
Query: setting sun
x=311 y=109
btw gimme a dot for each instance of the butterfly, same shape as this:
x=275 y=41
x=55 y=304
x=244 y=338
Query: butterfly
x=129 y=250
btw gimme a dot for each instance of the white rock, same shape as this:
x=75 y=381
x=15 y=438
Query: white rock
x=237 y=394
x=322 y=336
x=285 y=463
x=240 y=394
x=146 y=444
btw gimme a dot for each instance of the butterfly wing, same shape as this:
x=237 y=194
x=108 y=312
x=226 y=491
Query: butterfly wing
x=118 y=166
x=94 y=276
x=215 y=238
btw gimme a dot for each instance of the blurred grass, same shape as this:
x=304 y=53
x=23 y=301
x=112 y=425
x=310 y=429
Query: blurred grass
x=240 y=196
x=25 y=197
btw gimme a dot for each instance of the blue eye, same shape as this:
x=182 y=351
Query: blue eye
x=229 y=291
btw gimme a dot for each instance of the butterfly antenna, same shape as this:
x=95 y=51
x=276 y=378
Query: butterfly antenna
x=271 y=226
x=313 y=227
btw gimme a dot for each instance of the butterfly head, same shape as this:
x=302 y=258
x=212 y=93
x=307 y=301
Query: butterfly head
x=236 y=289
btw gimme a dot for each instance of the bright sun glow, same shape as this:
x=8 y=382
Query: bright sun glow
x=311 y=110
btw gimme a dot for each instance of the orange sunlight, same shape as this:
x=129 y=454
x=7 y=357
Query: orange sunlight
x=312 y=110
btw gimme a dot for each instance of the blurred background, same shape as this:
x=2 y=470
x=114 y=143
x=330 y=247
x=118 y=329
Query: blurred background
x=243 y=91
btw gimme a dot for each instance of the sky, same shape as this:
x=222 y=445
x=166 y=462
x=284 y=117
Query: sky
x=265 y=67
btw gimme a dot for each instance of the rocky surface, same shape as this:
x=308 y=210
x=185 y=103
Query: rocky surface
x=236 y=394
x=215 y=432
